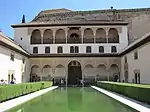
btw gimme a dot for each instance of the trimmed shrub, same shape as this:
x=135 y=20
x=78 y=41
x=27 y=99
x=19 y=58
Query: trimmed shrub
x=11 y=91
x=138 y=92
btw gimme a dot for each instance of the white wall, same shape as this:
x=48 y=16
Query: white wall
x=142 y=63
x=82 y=48
x=25 y=33
x=22 y=33
x=16 y=65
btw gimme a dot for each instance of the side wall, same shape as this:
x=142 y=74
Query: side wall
x=16 y=67
x=140 y=65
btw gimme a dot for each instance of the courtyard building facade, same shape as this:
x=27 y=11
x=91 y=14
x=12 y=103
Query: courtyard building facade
x=85 y=45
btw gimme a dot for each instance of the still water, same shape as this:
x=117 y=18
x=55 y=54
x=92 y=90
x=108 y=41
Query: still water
x=72 y=100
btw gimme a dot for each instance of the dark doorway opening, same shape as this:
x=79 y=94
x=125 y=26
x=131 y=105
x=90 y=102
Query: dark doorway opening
x=74 y=73
x=137 y=78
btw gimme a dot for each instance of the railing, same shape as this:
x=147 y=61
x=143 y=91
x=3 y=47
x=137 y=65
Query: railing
x=60 y=41
x=101 y=40
x=48 y=41
x=36 y=41
x=113 y=40
x=74 y=41
x=86 y=40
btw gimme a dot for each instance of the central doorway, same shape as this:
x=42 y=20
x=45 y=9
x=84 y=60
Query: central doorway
x=74 y=73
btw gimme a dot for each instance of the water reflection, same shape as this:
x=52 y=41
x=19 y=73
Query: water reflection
x=74 y=97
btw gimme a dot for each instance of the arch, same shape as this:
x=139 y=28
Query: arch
x=74 y=35
x=88 y=36
x=47 y=66
x=35 y=69
x=35 y=72
x=101 y=72
x=60 y=36
x=59 y=66
x=48 y=36
x=47 y=49
x=36 y=37
x=35 y=66
x=113 y=36
x=89 y=71
x=101 y=36
x=74 y=73
x=89 y=66
x=60 y=71
x=47 y=73
x=114 y=72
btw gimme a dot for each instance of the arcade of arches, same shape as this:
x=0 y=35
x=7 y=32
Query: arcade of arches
x=74 y=72
x=75 y=35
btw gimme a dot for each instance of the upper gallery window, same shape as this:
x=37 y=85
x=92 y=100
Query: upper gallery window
x=72 y=49
x=35 y=50
x=113 y=49
x=88 y=49
x=59 y=49
x=101 y=49
x=47 y=49
x=76 y=49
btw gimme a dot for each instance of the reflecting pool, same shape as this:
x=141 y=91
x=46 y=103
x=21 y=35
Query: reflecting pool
x=72 y=100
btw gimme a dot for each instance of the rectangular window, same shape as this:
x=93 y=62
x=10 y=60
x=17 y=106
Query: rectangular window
x=135 y=55
x=47 y=49
x=71 y=49
x=101 y=49
x=88 y=49
x=113 y=49
x=76 y=49
x=59 y=49
x=35 y=50
x=23 y=61
x=125 y=59
x=12 y=57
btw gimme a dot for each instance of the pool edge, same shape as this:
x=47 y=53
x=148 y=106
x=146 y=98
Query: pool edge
x=20 y=100
x=123 y=100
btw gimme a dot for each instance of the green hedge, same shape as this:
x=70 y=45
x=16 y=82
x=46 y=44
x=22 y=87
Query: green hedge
x=11 y=91
x=138 y=92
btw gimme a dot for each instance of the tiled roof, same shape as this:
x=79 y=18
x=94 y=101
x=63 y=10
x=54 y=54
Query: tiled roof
x=6 y=40
x=72 y=22
x=137 y=43
x=107 y=14
x=55 y=11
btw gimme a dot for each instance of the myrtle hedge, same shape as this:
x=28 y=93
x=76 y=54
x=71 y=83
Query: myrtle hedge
x=15 y=90
x=138 y=92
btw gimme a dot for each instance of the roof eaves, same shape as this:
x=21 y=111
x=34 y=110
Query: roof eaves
x=141 y=41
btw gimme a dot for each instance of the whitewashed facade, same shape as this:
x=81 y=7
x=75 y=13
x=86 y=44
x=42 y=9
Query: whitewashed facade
x=72 y=45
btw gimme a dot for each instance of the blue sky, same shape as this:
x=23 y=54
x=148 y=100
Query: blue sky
x=12 y=10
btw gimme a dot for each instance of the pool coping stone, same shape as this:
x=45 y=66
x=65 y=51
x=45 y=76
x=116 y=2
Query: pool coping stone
x=139 y=106
x=5 y=106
